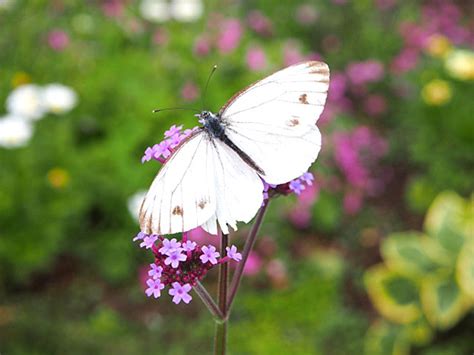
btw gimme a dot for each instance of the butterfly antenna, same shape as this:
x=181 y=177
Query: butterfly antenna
x=207 y=84
x=175 y=108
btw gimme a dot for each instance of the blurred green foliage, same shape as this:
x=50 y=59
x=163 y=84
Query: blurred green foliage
x=426 y=282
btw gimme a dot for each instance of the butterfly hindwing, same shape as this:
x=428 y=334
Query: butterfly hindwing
x=274 y=120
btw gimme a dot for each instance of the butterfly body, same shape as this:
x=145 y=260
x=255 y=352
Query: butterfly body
x=265 y=132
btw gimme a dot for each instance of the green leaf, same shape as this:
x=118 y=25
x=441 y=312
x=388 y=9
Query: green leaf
x=414 y=254
x=465 y=270
x=419 y=332
x=448 y=220
x=444 y=304
x=393 y=294
x=384 y=338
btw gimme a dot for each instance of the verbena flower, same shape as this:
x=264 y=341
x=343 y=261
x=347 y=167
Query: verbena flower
x=179 y=264
x=180 y=293
x=173 y=137
x=209 y=254
x=154 y=288
x=233 y=254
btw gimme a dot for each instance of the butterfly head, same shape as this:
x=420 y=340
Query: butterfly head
x=204 y=117
x=211 y=123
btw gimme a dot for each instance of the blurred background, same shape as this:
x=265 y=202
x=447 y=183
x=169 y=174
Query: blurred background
x=377 y=257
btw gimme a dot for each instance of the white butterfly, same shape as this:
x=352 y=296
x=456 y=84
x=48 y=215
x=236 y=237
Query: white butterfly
x=266 y=131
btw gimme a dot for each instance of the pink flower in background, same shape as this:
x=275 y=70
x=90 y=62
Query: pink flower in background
x=309 y=196
x=300 y=216
x=202 y=46
x=405 y=61
x=357 y=154
x=190 y=91
x=230 y=36
x=113 y=8
x=306 y=14
x=331 y=43
x=258 y=22
x=385 y=5
x=58 y=40
x=277 y=272
x=337 y=87
x=256 y=59
x=253 y=264
x=292 y=53
x=160 y=37
x=200 y=236
x=375 y=105
x=352 y=202
x=368 y=71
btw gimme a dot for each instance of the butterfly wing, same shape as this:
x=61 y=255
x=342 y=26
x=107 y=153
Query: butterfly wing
x=202 y=183
x=239 y=190
x=274 y=120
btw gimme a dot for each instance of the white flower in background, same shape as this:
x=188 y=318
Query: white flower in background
x=460 y=64
x=59 y=98
x=186 y=10
x=14 y=132
x=155 y=10
x=26 y=101
x=134 y=203
x=6 y=4
x=162 y=10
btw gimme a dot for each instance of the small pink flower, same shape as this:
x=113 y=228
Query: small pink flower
x=154 y=288
x=202 y=46
x=292 y=53
x=259 y=23
x=160 y=37
x=174 y=258
x=375 y=105
x=148 y=241
x=180 y=293
x=352 y=203
x=365 y=72
x=58 y=40
x=230 y=36
x=233 y=254
x=209 y=254
x=253 y=264
x=190 y=91
x=256 y=59
x=306 y=14
x=113 y=8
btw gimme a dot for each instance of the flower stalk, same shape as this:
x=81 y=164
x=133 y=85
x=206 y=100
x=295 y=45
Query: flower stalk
x=220 y=339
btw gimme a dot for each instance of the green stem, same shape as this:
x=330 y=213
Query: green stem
x=208 y=302
x=220 y=339
x=249 y=243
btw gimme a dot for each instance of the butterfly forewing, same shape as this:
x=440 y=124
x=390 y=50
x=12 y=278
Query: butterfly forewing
x=274 y=120
x=182 y=196
x=204 y=183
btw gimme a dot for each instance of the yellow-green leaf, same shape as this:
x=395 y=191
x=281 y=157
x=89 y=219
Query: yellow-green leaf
x=443 y=302
x=393 y=294
x=465 y=270
x=415 y=254
x=447 y=220
x=419 y=332
x=384 y=338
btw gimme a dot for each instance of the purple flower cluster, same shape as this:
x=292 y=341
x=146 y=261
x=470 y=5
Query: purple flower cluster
x=180 y=264
x=357 y=154
x=294 y=186
x=163 y=150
